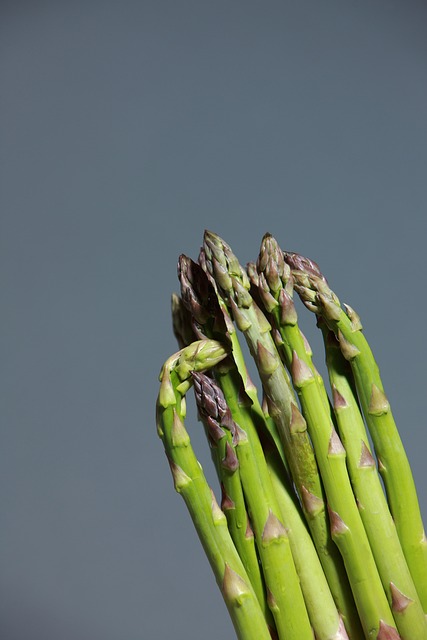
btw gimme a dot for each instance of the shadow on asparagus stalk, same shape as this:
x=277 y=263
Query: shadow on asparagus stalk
x=305 y=542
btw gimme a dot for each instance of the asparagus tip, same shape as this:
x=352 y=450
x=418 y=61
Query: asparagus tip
x=298 y=262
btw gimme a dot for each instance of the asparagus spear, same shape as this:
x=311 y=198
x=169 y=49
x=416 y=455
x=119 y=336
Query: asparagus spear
x=233 y=286
x=216 y=417
x=347 y=527
x=325 y=619
x=393 y=462
x=224 y=458
x=190 y=482
x=390 y=560
x=272 y=279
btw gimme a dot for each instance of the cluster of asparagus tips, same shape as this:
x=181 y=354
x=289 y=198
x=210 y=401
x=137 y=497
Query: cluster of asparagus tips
x=305 y=543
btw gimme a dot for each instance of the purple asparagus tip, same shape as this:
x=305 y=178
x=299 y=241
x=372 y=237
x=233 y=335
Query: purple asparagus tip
x=297 y=262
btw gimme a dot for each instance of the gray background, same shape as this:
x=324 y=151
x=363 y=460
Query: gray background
x=127 y=128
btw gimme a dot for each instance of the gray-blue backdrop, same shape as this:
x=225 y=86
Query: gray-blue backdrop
x=127 y=128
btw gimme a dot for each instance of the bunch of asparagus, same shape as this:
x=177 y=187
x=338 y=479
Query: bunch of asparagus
x=318 y=532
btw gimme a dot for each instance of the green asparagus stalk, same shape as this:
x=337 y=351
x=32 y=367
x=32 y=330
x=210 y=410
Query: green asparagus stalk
x=224 y=458
x=392 y=459
x=216 y=417
x=233 y=286
x=347 y=527
x=272 y=279
x=285 y=597
x=326 y=621
x=384 y=541
x=190 y=482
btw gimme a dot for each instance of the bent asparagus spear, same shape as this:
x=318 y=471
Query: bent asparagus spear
x=190 y=482
x=221 y=442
